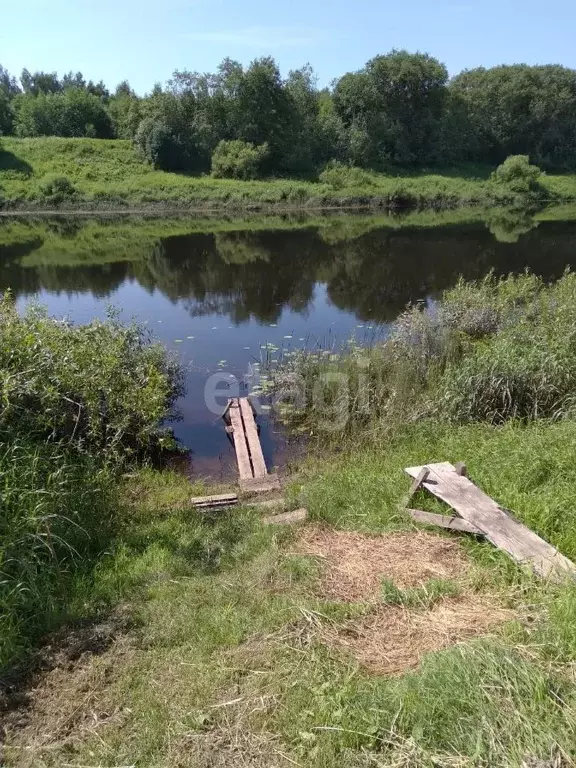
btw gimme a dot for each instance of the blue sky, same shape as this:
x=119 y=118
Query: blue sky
x=145 y=40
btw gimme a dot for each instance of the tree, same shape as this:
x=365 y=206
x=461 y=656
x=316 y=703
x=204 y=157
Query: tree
x=6 y=115
x=8 y=85
x=521 y=109
x=264 y=112
x=73 y=112
x=125 y=111
x=306 y=140
x=40 y=82
x=162 y=147
x=393 y=108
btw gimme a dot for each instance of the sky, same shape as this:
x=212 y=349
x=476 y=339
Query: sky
x=146 y=40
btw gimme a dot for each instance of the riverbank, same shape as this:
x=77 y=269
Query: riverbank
x=360 y=639
x=104 y=175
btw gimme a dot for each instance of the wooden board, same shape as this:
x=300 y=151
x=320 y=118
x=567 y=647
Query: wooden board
x=239 y=437
x=260 y=484
x=219 y=500
x=444 y=521
x=483 y=513
x=254 y=447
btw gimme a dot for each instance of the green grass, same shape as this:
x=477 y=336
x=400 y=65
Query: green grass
x=108 y=174
x=226 y=661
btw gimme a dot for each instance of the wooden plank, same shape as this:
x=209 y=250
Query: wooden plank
x=287 y=518
x=416 y=484
x=260 y=484
x=483 y=513
x=254 y=447
x=239 y=437
x=444 y=521
x=219 y=500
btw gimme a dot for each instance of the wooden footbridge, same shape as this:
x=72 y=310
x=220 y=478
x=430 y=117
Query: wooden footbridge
x=241 y=426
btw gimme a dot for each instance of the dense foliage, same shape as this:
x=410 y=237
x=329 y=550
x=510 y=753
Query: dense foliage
x=76 y=403
x=400 y=109
x=238 y=160
x=491 y=351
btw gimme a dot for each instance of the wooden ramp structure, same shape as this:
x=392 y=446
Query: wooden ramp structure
x=481 y=515
x=241 y=426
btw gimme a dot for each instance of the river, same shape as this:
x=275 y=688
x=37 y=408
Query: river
x=222 y=294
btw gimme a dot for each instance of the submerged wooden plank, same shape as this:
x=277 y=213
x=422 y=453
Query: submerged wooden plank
x=482 y=512
x=444 y=521
x=239 y=437
x=254 y=447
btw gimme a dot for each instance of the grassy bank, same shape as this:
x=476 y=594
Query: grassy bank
x=231 y=651
x=359 y=639
x=101 y=175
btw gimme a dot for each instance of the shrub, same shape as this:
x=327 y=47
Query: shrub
x=54 y=188
x=159 y=145
x=101 y=386
x=518 y=175
x=338 y=176
x=238 y=160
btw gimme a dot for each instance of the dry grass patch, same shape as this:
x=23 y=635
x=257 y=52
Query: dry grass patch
x=392 y=639
x=67 y=702
x=357 y=563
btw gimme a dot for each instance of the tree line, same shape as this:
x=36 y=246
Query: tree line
x=400 y=109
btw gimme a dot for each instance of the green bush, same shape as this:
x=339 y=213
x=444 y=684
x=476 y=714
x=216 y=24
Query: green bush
x=339 y=176
x=517 y=174
x=100 y=386
x=159 y=145
x=55 y=189
x=238 y=160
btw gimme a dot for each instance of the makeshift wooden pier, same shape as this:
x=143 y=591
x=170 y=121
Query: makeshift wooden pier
x=241 y=426
x=479 y=514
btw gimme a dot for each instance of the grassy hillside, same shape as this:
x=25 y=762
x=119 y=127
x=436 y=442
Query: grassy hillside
x=56 y=173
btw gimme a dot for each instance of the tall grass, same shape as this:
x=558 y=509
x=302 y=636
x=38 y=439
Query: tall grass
x=58 y=514
x=77 y=405
x=494 y=350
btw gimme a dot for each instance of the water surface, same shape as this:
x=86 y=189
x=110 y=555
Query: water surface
x=218 y=297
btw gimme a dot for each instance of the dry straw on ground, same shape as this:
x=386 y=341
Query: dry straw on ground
x=392 y=639
x=357 y=563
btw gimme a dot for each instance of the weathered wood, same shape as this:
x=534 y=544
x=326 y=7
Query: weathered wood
x=239 y=437
x=259 y=484
x=287 y=518
x=254 y=447
x=416 y=484
x=219 y=500
x=444 y=521
x=482 y=512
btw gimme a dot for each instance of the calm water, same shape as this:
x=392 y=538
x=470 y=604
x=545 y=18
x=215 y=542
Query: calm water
x=217 y=298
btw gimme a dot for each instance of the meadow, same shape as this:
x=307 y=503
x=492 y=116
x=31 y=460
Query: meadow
x=97 y=174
